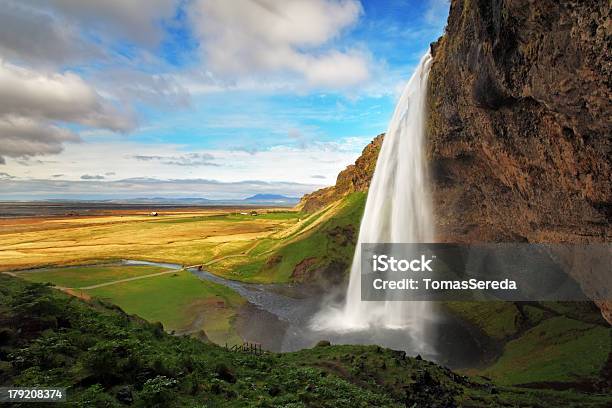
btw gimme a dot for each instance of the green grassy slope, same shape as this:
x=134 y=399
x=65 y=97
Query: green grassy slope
x=181 y=302
x=559 y=351
x=177 y=299
x=326 y=252
x=318 y=250
x=543 y=344
x=109 y=359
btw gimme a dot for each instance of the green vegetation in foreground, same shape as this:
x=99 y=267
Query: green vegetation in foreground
x=181 y=302
x=89 y=275
x=322 y=253
x=109 y=359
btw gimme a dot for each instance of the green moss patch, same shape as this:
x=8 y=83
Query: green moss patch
x=498 y=320
x=558 y=350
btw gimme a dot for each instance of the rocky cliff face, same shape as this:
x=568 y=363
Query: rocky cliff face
x=356 y=177
x=520 y=122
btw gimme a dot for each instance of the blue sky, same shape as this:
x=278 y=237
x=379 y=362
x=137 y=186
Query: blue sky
x=198 y=96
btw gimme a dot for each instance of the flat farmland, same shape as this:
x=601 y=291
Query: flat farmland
x=188 y=237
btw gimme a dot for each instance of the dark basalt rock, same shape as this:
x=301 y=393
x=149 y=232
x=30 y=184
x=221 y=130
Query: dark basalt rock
x=224 y=373
x=520 y=122
x=124 y=395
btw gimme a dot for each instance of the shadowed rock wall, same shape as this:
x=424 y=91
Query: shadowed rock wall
x=520 y=122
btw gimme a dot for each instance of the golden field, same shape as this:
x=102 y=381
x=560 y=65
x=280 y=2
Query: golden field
x=189 y=237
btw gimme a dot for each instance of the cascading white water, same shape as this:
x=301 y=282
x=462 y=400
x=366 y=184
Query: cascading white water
x=398 y=210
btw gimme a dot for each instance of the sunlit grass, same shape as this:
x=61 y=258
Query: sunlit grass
x=180 y=301
x=190 y=238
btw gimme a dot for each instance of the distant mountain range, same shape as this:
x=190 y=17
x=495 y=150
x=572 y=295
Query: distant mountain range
x=257 y=199
x=272 y=197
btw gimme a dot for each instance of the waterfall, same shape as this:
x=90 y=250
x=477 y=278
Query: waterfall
x=398 y=210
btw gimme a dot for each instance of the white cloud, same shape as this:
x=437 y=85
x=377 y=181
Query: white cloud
x=158 y=90
x=138 y=21
x=61 y=97
x=92 y=177
x=187 y=159
x=93 y=187
x=128 y=159
x=259 y=37
x=59 y=33
x=40 y=101
x=336 y=69
x=33 y=36
x=23 y=137
x=32 y=103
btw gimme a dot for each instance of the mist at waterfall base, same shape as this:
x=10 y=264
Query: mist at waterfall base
x=398 y=210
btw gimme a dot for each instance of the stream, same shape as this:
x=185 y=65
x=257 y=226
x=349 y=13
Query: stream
x=278 y=316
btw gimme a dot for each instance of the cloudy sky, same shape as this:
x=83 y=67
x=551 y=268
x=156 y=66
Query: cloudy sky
x=198 y=98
